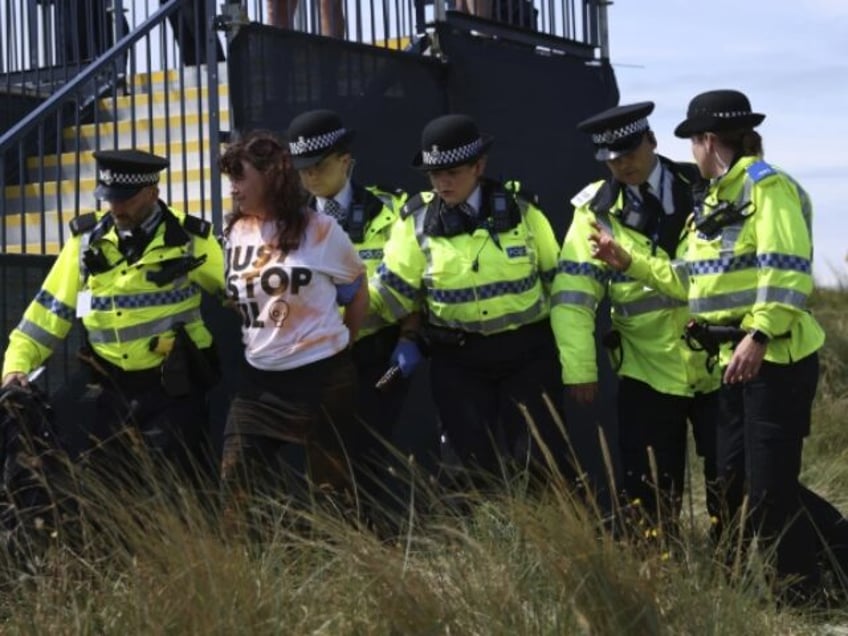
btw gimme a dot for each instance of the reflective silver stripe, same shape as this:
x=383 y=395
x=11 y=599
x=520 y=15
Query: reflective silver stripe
x=782 y=295
x=39 y=334
x=144 y=330
x=494 y=325
x=397 y=310
x=681 y=270
x=732 y=300
x=581 y=299
x=644 y=305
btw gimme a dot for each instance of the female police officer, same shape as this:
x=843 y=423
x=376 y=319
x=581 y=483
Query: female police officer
x=477 y=259
x=749 y=266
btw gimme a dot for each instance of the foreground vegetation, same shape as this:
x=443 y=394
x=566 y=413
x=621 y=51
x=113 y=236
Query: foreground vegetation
x=513 y=565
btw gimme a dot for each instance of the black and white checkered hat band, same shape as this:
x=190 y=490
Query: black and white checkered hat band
x=306 y=145
x=436 y=157
x=110 y=178
x=730 y=114
x=611 y=136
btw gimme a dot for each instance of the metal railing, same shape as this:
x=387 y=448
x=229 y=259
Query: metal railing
x=127 y=97
x=393 y=23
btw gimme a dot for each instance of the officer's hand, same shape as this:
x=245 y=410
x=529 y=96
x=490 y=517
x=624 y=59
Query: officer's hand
x=605 y=248
x=584 y=393
x=407 y=356
x=16 y=378
x=746 y=361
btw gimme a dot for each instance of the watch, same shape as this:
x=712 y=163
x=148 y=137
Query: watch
x=760 y=337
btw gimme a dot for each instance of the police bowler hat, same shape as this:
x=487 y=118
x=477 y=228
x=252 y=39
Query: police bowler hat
x=121 y=174
x=717 y=111
x=449 y=141
x=316 y=134
x=617 y=130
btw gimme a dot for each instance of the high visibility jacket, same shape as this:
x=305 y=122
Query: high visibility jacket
x=373 y=212
x=756 y=270
x=486 y=280
x=125 y=308
x=649 y=323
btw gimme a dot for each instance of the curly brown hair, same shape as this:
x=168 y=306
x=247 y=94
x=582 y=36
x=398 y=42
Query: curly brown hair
x=286 y=198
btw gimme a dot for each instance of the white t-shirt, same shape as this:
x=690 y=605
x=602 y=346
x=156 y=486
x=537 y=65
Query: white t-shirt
x=288 y=304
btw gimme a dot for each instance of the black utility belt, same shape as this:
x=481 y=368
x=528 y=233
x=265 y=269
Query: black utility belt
x=442 y=336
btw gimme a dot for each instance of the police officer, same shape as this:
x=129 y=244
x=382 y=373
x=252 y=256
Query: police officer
x=644 y=204
x=477 y=258
x=134 y=276
x=748 y=268
x=319 y=144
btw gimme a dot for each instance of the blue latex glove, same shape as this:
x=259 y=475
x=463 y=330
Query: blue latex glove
x=407 y=356
x=346 y=291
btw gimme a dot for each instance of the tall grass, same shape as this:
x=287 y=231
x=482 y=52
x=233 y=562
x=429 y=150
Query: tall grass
x=158 y=561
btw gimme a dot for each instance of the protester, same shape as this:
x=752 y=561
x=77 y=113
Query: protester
x=289 y=268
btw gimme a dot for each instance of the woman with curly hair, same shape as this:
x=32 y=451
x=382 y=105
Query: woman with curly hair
x=288 y=269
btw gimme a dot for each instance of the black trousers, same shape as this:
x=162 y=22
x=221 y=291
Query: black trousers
x=379 y=412
x=481 y=388
x=761 y=434
x=310 y=406
x=648 y=418
x=139 y=429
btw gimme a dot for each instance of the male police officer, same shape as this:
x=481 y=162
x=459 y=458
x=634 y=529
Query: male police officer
x=320 y=148
x=644 y=203
x=134 y=276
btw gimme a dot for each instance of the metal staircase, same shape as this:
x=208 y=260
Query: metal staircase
x=164 y=112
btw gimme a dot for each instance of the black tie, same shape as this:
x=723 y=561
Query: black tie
x=334 y=209
x=650 y=202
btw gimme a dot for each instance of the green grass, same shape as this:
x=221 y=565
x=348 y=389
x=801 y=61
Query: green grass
x=515 y=565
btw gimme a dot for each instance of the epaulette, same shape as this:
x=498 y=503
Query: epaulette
x=521 y=192
x=413 y=204
x=585 y=195
x=760 y=170
x=197 y=226
x=395 y=192
x=83 y=223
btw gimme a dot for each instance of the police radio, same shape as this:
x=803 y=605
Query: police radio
x=95 y=261
x=500 y=212
x=356 y=223
x=453 y=221
x=636 y=219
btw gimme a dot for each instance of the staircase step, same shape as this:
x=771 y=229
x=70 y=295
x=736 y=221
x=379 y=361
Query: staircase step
x=28 y=198
x=192 y=76
x=192 y=151
x=161 y=104
x=156 y=130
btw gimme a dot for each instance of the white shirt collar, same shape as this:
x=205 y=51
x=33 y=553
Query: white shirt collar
x=655 y=177
x=343 y=196
x=653 y=180
x=475 y=199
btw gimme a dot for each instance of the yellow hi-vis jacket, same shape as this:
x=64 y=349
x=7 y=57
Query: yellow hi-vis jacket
x=485 y=281
x=650 y=323
x=378 y=208
x=755 y=272
x=121 y=308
